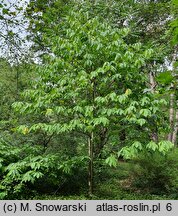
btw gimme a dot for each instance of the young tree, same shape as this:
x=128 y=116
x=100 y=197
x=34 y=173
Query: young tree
x=89 y=83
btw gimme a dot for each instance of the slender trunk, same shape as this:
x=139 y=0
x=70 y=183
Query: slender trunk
x=175 y=130
x=91 y=144
x=152 y=81
x=171 y=117
x=90 y=165
x=154 y=133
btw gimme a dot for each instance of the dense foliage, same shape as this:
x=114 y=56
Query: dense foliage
x=91 y=112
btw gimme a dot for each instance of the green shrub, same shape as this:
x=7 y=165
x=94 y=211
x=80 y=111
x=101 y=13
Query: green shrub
x=156 y=173
x=157 y=166
x=27 y=170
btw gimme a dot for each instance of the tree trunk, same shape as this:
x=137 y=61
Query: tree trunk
x=171 y=117
x=154 y=133
x=175 y=130
x=152 y=81
x=90 y=165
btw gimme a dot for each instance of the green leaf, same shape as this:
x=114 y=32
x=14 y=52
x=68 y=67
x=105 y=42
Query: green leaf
x=3 y=195
x=165 y=77
x=165 y=146
x=145 y=112
x=152 y=146
x=102 y=120
x=5 y=11
x=137 y=145
x=49 y=112
x=131 y=109
x=145 y=101
x=113 y=96
x=175 y=2
x=112 y=161
x=141 y=121
x=122 y=98
x=148 y=53
x=127 y=153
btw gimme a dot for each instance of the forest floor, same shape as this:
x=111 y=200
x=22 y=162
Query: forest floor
x=115 y=185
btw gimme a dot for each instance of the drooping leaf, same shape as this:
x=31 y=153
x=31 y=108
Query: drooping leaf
x=111 y=161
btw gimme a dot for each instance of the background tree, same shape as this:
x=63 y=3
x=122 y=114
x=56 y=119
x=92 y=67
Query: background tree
x=13 y=29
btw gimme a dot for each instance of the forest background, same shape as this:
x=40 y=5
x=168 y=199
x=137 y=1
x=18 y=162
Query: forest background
x=89 y=100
